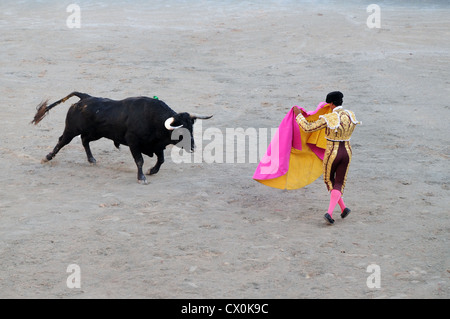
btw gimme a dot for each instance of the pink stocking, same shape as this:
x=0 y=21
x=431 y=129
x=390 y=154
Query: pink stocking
x=334 y=198
x=341 y=204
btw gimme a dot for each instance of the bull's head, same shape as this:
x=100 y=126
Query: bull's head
x=186 y=121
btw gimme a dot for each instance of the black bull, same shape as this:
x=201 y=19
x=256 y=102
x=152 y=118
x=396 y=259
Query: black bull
x=143 y=124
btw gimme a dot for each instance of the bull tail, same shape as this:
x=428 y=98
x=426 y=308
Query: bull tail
x=43 y=107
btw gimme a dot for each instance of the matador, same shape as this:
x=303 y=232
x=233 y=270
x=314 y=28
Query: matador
x=339 y=125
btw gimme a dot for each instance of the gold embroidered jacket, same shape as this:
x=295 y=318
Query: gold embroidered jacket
x=339 y=124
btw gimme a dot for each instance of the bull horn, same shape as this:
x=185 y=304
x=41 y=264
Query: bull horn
x=201 y=117
x=168 y=124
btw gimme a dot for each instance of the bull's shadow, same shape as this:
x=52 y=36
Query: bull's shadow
x=143 y=124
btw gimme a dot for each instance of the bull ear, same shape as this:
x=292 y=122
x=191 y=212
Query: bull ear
x=200 y=117
x=168 y=124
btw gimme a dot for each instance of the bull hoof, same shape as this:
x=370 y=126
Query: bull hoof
x=47 y=158
x=92 y=160
x=142 y=181
x=152 y=171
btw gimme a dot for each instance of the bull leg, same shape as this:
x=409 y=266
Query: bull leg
x=64 y=139
x=137 y=155
x=85 y=140
x=159 y=162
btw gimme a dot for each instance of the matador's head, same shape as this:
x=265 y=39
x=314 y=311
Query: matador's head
x=335 y=98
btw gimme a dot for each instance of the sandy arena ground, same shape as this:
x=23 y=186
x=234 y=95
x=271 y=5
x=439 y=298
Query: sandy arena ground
x=207 y=230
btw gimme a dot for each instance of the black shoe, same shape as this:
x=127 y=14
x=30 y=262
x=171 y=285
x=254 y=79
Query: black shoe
x=328 y=218
x=345 y=212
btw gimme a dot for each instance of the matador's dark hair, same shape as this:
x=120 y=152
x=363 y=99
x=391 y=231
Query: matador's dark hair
x=335 y=98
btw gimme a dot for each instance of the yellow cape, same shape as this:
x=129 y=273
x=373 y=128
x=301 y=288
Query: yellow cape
x=304 y=165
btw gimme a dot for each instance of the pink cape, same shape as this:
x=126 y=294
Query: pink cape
x=275 y=162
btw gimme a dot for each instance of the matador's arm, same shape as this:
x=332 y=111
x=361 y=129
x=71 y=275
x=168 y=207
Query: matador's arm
x=310 y=126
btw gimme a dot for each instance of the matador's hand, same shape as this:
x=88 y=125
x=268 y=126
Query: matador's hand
x=296 y=111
